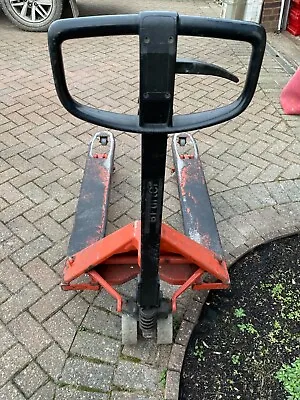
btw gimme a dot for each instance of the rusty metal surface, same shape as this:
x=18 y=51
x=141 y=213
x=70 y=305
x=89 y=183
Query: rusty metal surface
x=198 y=218
x=91 y=213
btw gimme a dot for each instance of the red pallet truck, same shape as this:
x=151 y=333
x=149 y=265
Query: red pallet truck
x=149 y=249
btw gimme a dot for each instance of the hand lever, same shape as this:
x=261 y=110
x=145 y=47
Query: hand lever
x=112 y=25
x=203 y=68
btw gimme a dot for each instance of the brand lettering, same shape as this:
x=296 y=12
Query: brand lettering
x=153 y=190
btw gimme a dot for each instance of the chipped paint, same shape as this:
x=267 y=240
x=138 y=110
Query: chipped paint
x=198 y=218
x=91 y=212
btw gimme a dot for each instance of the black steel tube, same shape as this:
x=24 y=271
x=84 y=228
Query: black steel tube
x=154 y=148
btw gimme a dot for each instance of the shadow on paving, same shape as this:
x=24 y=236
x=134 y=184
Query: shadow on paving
x=246 y=334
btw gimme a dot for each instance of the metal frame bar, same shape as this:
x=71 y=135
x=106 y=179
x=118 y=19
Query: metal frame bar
x=127 y=242
x=158 y=45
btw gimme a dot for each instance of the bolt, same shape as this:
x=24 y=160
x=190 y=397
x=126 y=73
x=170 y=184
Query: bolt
x=146 y=40
x=146 y=95
x=71 y=260
x=167 y=95
x=171 y=39
x=64 y=286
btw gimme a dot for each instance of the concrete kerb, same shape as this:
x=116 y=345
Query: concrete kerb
x=197 y=302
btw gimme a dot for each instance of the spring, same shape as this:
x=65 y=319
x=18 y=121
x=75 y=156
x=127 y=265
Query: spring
x=147 y=319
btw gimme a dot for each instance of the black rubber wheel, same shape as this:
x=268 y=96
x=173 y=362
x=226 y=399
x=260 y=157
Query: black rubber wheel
x=32 y=15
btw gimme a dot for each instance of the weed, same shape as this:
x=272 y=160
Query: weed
x=247 y=328
x=199 y=351
x=163 y=377
x=277 y=325
x=294 y=315
x=235 y=358
x=289 y=376
x=277 y=291
x=239 y=312
x=288 y=302
x=263 y=351
x=272 y=338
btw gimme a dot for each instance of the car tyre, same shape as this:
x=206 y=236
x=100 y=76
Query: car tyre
x=32 y=15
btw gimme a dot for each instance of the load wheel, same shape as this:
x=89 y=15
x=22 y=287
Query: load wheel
x=129 y=329
x=165 y=330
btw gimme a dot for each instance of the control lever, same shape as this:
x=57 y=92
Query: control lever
x=184 y=66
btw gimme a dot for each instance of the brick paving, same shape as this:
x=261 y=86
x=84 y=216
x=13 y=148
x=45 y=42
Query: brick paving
x=64 y=345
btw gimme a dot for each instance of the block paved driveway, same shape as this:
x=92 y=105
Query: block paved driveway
x=63 y=345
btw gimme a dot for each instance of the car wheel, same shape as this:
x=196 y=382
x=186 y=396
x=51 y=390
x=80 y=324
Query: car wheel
x=32 y=15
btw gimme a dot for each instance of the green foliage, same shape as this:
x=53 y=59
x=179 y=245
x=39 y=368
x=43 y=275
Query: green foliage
x=277 y=291
x=239 y=312
x=288 y=301
x=247 y=328
x=199 y=352
x=289 y=376
x=277 y=325
x=294 y=315
x=235 y=358
x=163 y=377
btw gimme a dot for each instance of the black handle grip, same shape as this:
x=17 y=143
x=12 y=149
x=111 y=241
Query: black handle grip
x=66 y=29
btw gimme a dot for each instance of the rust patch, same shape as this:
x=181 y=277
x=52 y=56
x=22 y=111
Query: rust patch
x=206 y=240
x=183 y=181
x=186 y=156
x=104 y=155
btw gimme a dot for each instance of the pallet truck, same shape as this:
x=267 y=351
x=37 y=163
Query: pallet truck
x=149 y=249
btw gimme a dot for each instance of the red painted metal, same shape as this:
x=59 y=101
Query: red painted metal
x=95 y=254
x=167 y=259
x=194 y=252
x=81 y=286
x=185 y=286
x=117 y=274
x=98 y=278
x=176 y=274
x=115 y=259
x=210 y=286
